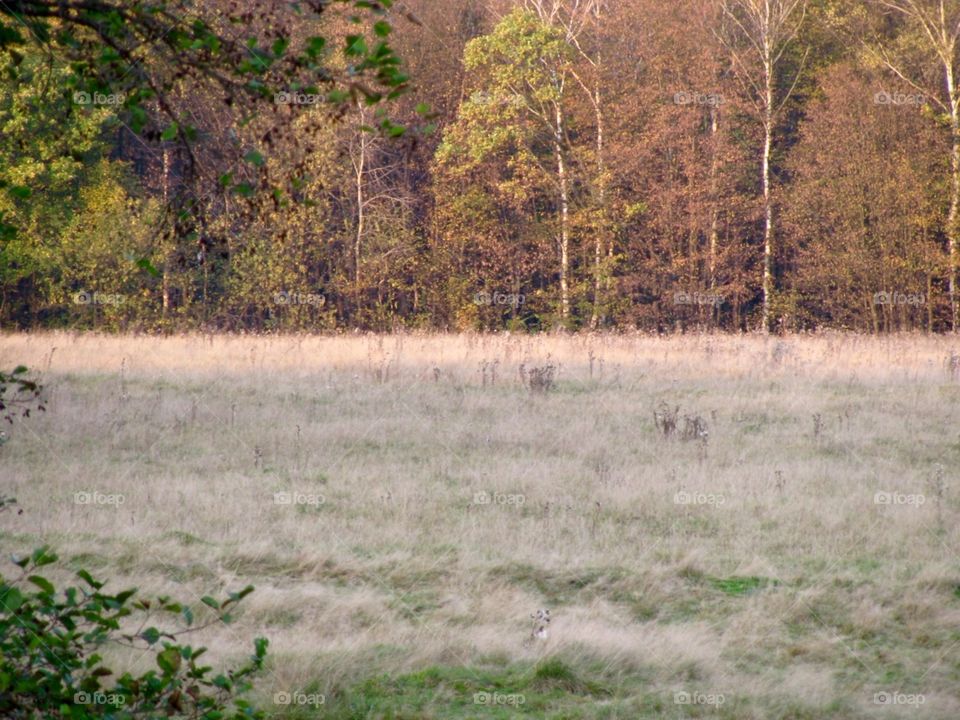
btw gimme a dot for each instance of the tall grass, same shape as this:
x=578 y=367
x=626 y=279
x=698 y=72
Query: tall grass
x=400 y=507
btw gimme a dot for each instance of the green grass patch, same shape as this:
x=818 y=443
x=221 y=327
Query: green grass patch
x=741 y=585
x=551 y=688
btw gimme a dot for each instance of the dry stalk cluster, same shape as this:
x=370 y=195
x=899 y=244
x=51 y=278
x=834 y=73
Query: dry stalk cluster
x=540 y=380
x=667 y=420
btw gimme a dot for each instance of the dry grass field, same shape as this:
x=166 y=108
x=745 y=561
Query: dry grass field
x=404 y=503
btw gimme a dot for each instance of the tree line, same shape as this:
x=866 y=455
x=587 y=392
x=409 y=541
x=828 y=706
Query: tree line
x=739 y=165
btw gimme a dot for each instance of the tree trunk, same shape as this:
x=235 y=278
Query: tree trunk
x=166 y=263
x=767 y=197
x=601 y=231
x=952 y=219
x=602 y=199
x=564 y=217
x=359 y=166
x=714 y=211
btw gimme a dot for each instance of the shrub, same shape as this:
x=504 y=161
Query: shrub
x=50 y=666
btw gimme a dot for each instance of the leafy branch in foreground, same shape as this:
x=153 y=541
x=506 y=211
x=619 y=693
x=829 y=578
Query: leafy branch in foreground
x=51 y=667
x=24 y=394
x=143 y=58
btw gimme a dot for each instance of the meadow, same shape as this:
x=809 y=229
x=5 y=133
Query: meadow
x=720 y=526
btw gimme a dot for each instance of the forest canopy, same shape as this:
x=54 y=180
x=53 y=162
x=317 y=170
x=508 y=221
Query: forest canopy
x=480 y=165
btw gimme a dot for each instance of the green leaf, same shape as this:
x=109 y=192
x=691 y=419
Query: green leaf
x=42 y=583
x=391 y=129
x=382 y=28
x=355 y=46
x=146 y=265
x=88 y=578
x=315 y=45
x=151 y=635
x=10 y=599
x=254 y=158
x=41 y=556
x=21 y=192
x=240 y=595
x=171 y=132
x=169 y=660
x=210 y=602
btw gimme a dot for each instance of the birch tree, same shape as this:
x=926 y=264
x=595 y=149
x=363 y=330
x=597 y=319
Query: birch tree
x=581 y=23
x=758 y=34
x=553 y=14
